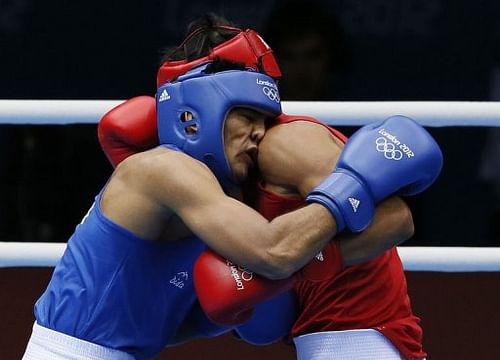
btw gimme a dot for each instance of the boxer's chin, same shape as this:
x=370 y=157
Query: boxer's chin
x=240 y=172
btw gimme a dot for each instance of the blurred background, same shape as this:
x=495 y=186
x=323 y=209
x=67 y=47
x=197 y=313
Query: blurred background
x=330 y=50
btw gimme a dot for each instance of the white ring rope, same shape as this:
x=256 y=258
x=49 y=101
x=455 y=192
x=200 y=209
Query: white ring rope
x=427 y=113
x=450 y=259
x=30 y=254
x=57 y=112
x=439 y=259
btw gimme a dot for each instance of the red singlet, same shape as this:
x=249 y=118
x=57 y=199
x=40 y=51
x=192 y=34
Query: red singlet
x=370 y=295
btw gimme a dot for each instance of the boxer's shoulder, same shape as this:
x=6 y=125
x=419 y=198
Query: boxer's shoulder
x=296 y=151
x=161 y=164
x=157 y=183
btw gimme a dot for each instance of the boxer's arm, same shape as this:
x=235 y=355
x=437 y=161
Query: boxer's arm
x=313 y=151
x=392 y=224
x=273 y=249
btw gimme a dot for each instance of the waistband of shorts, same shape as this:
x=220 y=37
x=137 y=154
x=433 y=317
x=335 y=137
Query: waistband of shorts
x=337 y=333
x=62 y=343
x=345 y=344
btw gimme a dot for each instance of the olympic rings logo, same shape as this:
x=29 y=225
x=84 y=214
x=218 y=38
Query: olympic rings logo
x=271 y=93
x=388 y=149
x=245 y=274
x=239 y=274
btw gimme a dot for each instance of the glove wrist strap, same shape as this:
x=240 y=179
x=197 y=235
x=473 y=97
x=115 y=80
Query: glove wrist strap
x=347 y=198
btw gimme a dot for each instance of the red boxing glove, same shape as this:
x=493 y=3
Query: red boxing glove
x=327 y=264
x=227 y=293
x=128 y=129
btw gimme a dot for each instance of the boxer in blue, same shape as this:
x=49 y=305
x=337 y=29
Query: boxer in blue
x=124 y=284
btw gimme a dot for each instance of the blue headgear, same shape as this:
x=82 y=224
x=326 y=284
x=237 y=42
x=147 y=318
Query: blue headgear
x=209 y=98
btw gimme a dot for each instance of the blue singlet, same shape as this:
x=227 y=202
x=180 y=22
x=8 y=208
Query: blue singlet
x=115 y=289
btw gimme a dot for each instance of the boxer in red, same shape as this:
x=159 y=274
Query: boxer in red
x=358 y=295
x=346 y=316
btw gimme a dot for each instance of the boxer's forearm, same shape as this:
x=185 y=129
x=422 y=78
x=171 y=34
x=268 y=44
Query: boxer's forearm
x=392 y=225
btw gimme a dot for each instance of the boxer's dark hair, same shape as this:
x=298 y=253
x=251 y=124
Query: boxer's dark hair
x=219 y=65
x=208 y=32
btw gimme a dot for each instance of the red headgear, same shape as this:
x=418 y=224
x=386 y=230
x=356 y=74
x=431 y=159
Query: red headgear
x=247 y=47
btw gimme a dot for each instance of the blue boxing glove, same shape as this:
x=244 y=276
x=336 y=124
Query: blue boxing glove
x=271 y=320
x=396 y=155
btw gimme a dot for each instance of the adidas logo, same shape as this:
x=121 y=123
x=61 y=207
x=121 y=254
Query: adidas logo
x=164 y=96
x=319 y=256
x=354 y=203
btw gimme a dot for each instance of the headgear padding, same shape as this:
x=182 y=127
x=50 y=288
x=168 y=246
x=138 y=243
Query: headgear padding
x=209 y=98
x=247 y=48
